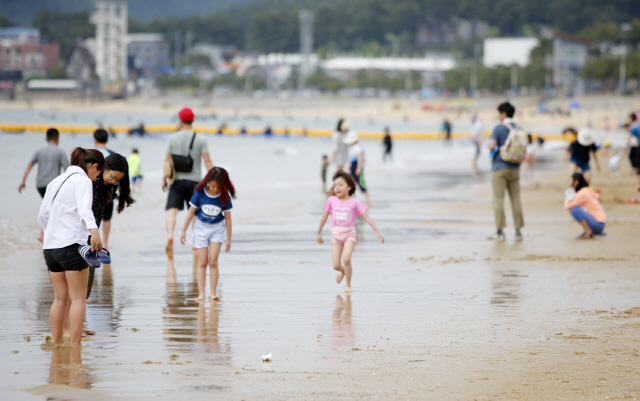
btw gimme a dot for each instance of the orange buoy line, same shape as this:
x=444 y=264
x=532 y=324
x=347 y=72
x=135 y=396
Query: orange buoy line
x=167 y=128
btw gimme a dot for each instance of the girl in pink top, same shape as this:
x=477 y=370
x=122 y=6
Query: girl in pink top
x=343 y=209
x=585 y=208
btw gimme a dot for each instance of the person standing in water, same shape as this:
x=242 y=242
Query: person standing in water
x=67 y=221
x=183 y=144
x=211 y=203
x=387 y=143
x=323 y=172
x=343 y=209
x=505 y=176
x=135 y=172
x=50 y=160
x=447 y=127
x=340 y=153
x=356 y=158
x=100 y=139
x=476 y=137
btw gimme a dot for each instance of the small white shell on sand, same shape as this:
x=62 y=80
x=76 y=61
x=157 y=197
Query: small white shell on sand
x=266 y=357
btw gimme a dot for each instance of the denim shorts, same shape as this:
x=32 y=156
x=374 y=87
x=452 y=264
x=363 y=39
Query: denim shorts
x=583 y=164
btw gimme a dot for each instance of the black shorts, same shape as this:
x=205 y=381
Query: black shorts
x=64 y=259
x=180 y=193
x=634 y=156
x=42 y=191
x=108 y=212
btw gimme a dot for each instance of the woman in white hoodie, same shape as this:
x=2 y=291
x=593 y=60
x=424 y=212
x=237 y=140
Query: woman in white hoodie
x=67 y=221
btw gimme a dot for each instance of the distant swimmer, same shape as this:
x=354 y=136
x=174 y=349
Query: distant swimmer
x=583 y=204
x=67 y=221
x=211 y=204
x=50 y=160
x=183 y=163
x=343 y=209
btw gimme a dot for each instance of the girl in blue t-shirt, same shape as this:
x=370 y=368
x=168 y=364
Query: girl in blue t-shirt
x=211 y=204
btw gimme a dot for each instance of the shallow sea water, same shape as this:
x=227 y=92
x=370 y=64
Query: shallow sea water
x=434 y=284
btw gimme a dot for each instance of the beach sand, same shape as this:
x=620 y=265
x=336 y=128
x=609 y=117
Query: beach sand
x=438 y=312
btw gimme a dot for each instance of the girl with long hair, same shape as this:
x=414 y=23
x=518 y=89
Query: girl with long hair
x=211 y=203
x=67 y=221
x=583 y=204
x=343 y=209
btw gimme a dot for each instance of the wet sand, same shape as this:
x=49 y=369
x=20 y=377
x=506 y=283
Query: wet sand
x=437 y=312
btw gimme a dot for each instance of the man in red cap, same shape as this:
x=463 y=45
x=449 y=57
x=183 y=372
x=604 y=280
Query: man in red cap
x=183 y=145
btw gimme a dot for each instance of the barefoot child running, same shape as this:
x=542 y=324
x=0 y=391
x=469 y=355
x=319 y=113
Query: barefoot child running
x=211 y=203
x=343 y=209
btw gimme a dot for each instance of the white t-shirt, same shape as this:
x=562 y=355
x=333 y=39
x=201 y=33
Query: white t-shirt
x=476 y=130
x=354 y=151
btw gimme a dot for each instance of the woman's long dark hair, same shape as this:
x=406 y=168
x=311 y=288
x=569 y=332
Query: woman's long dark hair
x=582 y=183
x=81 y=157
x=219 y=175
x=117 y=162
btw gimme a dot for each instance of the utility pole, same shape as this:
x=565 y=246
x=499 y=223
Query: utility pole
x=176 y=51
x=306 y=47
x=473 y=84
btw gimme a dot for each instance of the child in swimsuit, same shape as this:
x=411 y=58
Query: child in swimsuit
x=344 y=208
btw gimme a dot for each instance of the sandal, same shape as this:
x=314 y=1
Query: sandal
x=586 y=236
x=103 y=256
x=89 y=256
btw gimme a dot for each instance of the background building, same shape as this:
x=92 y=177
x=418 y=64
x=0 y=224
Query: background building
x=22 y=53
x=110 y=19
x=508 y=51
x=569 y=57
x=148 y=53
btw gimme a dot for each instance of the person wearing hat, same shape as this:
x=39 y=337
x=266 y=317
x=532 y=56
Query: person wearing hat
x=579 y=153
x=340 y=153
x=356 y=156
x=633 y=144
x=181 y=175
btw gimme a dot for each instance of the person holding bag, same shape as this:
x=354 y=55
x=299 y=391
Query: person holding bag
x=185 y=153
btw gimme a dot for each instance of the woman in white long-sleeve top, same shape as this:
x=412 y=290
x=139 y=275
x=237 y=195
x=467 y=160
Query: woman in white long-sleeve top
x=67 y=220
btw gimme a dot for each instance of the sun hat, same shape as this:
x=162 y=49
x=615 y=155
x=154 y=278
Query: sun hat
x=350 y=138
x=169 y=171
x=186 y=115
x=586 y=137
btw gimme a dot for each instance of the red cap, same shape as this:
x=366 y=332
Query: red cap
x=186 y=115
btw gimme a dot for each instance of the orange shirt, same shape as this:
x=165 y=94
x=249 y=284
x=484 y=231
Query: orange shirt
x=588 y=199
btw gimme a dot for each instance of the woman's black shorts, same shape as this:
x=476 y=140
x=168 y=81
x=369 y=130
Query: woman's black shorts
x=64 y=259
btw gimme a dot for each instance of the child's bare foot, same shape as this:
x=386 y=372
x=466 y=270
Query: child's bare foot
x=340 y=276
x=199 y=299
x=88 y=333
x=214 y=297
x=348 y=290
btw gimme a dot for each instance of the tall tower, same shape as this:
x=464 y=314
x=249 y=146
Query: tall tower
x=110 y=19
x=306 y=46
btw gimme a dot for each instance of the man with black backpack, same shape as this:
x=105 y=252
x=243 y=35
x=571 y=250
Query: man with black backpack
x=508 y=147
x=185 y=154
